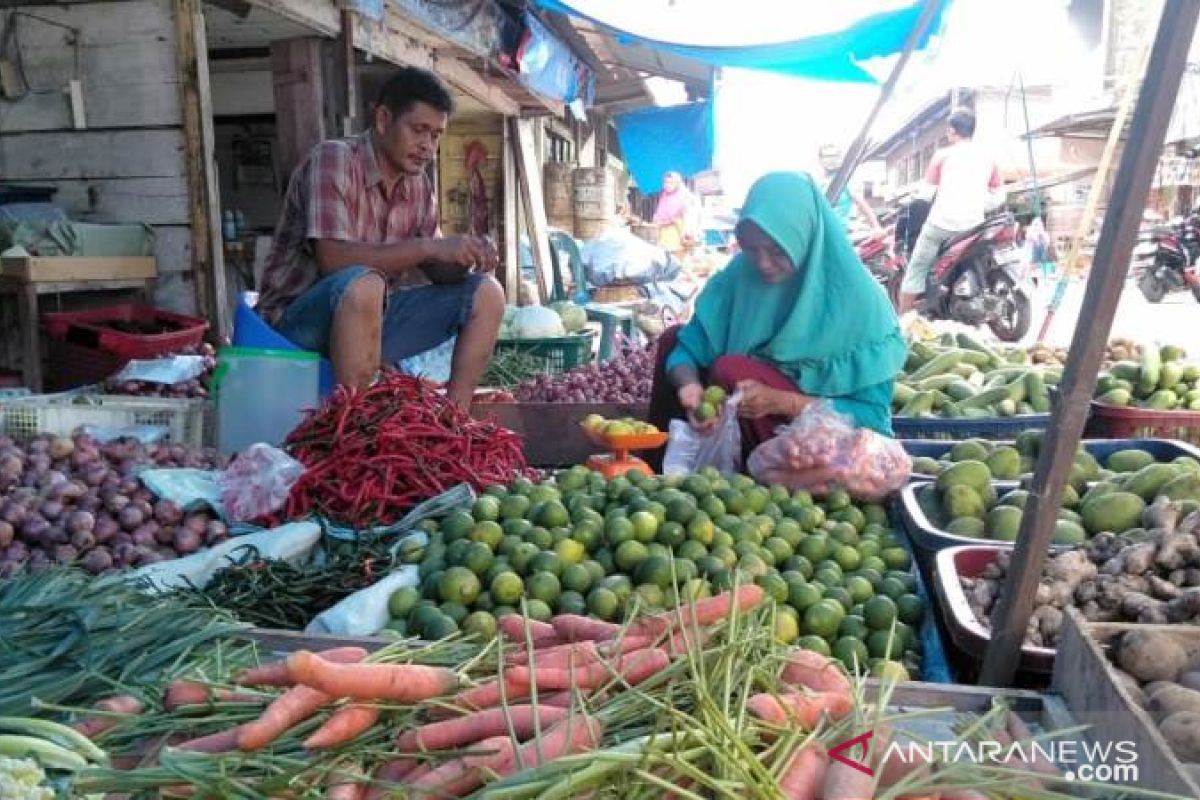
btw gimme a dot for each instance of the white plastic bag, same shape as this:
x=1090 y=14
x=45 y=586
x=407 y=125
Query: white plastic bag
x=256 y=483
x=721 y=448
x=365 y=612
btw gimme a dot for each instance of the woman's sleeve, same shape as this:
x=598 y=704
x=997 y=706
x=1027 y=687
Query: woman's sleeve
x=869 y=407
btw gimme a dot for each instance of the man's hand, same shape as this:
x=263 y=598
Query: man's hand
x=759 y=400
x=691 y=395
x=473 y=253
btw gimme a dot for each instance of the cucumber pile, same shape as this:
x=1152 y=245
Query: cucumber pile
x=1161 y=381
x=959 y=376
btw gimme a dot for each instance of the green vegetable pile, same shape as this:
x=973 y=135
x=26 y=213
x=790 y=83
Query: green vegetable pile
x=962 y=377
x=581 y=544
x=1160 y=381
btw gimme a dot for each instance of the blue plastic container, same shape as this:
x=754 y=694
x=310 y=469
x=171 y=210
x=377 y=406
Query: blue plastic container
x=251 y=330
x=1162 y=449
x=960 y=428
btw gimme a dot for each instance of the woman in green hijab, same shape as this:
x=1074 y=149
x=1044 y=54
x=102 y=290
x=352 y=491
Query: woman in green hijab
x=793 y=318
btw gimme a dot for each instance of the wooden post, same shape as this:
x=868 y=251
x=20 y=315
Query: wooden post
x=855 y=153
x=298 y=69
x=529 y=177
x=350 y=118
x=1130 y=188
x=511 y=229
x=204 y=216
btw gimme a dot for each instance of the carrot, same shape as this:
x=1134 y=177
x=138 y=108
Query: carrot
x=844 y=782
x=513 y=626
x=92 y=727
x=576 y=628
x=344 y=782
x=702 y=612
x=805 y=773
x=277 y=674
x=221 y=742
x=387 y=777
x=575 y=734
x=1037 y=760
x=488 y=695
x=633 y=667
x=192 y=693
x=480 y=725
x=811 y=670
x=805 y=710
x=347 y=723
x=290 y=708
x=626 y=644
x=463 y=775
x=405 y=683
x=562 y=655
x=962 y=794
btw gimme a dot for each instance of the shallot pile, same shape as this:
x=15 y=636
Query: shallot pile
x=71 y=500
x=196 y=387
x=625 y=378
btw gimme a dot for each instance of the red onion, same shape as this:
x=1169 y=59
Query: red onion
x=168 y=512
x=55 y=534
x=197 y=523
x=162 y=533
x=65 y=554
x=60 y=447
x=148 y=556
x=97 y=561
x=130 y=517
x=124 y=553
x=186 y=541
x=18 y=551
x=7 y=532
x=34 y=528
x=121 y=537
x=114 y=501
x=216 y=532
x=38 y=561
x=13 y=513
x=107 y=530
x=83 y=540
x=80 y=521
x=89 y=502
x=52 y=509
x=143 y=537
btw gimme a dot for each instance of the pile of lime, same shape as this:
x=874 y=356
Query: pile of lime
x=610 y=548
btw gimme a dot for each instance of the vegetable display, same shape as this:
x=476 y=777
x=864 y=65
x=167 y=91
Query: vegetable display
x=712 y=706
x=1159 y=381
x=580 y=544
x=372 y=454
x=964 y=501
x=1147 y=575
x=71 y=500
x=962 y=377
x=625 y=378
x=510 y=368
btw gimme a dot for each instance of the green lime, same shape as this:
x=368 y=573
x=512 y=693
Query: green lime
x=753 y=564
x=539 y=610
x=803 y=595
x=490 y=533
x=815 y=547
x=787 y=625
x=628 y=555
x=645 y=526
x=779 y=549
x=540 y=538
x=570 y=551
x=880 y=612
x=890 y=671
x=571 y=602
x=852 y=652
x=438 y=627
x=546 y=561
x=726 y=555
x=544 y=586
x=842 y=595
x=844 y=533
x=595 y=569
x=655 y=570
x=459 y=585
x=775 y=586
x=496 y=490
x=838 y=500
x=522 y=556
x=790 y=532
x=551 y=514
x=701 y=528
x=816 y=644
x=910 y=609
x=402 y=601
x=854 y=625
x=618 y=530
x=396 y=626
x=455 y=611
x=692 y=550
x=868 y=548
x=823 y=618
x=620 y=585
x=860 y=589
x=892 y=587
x=603 y=603
x=456 y=525
x=671 y=534
x=507 y=588
x=829 y=573
x=650 y=597
x=589 y=534
x=883 y=644
x=873 y=577
x=498 y=567
x=604 y=558
x=681 y=510
x=896 y=558
x=544 y=493
x=847 y=558
x=577 y=577
x=800 y=564
x=573 y=479
x=516 y=527
x=486 y=509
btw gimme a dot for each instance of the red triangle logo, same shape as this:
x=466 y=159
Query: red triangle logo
x=836 y=751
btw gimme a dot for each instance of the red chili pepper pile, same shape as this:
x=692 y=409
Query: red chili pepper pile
x=373 y=454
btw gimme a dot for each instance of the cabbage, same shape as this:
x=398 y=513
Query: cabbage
x=536 y=322
x=573 y=317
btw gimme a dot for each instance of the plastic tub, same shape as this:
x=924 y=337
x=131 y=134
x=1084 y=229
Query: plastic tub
x=966 y=633
x=928 y=538
x=1112 y=422
x=251 y=330
x=262 y=394
x=1162 y=449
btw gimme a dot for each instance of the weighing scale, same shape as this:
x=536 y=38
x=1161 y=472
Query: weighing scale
x=618 y=460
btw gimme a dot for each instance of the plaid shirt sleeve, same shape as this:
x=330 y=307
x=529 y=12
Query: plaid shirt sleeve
x=329 y=194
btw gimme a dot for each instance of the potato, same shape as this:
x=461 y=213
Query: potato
x=1172 y=700
x=1192 y=771
x=1154 y=687
x=1182 y=732
x=1190 y=680
x=1193 y=661
x=1131 y=686
x=1150 y=656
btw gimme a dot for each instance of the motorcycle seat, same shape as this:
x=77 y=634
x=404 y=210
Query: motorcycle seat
x=961 y=236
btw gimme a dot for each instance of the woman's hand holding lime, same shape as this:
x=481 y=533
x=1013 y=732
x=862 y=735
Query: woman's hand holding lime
x=691 y=397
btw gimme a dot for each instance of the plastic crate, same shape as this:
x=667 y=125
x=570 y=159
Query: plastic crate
x=959 y=428
x=966 y=633
x=1113 y=422
x=62 y=414
x=87 y=329
x=72 y=365
x=561 y=353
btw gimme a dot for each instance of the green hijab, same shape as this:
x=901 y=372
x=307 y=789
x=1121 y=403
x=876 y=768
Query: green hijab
x=830 y=327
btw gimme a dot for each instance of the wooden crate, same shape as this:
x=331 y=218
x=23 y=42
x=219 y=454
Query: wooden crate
x=1083 y=675
x=551 y=430
x=42 y=269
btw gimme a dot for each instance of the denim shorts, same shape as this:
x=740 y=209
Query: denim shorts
x=414 y=320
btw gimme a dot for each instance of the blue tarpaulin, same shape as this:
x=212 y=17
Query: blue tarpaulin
x=829 y=55
x=657 y=140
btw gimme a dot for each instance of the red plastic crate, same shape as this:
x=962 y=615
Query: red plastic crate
x=69 y=366
x=1115 y=422
x=86 y=329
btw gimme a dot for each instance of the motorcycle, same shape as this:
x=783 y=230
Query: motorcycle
x=876 y=251
x=1166 y=260
x=978 y=278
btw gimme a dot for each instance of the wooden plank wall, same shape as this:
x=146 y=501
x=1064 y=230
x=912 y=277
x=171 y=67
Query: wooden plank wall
x=128 y=165
x=452 y=175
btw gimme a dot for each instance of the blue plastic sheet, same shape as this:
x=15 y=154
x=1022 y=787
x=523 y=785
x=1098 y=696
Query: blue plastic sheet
x=832 y=56
x=657 y=140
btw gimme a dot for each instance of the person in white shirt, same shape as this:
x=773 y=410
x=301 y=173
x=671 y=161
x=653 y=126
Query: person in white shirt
x=965 y=177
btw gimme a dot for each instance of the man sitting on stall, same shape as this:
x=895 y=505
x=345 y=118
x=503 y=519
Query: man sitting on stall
x=359 y=270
